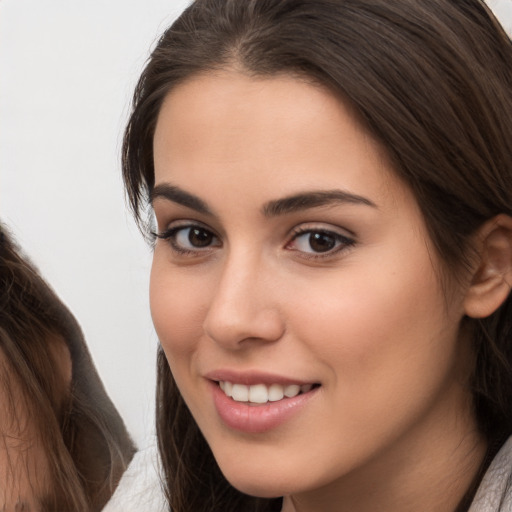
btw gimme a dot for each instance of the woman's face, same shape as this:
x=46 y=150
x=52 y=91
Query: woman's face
x=293 y=270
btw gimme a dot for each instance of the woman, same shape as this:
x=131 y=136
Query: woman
x=332 y=186
x=64 y=445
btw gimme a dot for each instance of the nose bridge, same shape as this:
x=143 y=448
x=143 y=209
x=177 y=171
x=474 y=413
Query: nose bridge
x=243 y=306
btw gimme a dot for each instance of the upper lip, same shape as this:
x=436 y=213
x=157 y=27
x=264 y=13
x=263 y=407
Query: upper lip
x=250 y=378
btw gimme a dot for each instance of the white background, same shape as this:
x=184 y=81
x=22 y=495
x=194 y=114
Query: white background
x=67 y=71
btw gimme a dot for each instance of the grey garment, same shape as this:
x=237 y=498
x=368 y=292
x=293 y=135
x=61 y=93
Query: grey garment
x=495 y=491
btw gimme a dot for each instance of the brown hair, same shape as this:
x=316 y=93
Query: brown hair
x=74 y=424
x=430 y=79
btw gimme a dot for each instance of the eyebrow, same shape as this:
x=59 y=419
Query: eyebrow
x=313 y=199
x=274 y=208
x=179 y=196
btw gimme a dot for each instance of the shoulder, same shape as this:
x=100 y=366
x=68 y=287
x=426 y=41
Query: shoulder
x=139 y=488
x=495 y=491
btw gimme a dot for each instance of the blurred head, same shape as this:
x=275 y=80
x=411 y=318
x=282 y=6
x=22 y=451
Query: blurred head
x=65 y=446
x=428 y=81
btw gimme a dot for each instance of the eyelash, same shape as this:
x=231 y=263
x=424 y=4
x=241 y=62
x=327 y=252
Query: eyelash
x=170 y=234
x=341 y=242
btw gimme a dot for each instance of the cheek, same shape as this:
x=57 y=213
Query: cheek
x=386 y=345
x=177 y=309
x=374 y=327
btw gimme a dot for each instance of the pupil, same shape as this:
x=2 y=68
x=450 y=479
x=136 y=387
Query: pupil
x=321 y=242
x=199 y=237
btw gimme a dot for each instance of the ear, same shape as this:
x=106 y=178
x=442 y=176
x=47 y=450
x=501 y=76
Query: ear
x=492 y=280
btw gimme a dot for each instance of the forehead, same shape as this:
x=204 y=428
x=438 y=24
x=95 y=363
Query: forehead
x=228 y=126
x=236 y=100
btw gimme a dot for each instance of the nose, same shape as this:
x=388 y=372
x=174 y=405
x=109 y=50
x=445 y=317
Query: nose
x=244 y=307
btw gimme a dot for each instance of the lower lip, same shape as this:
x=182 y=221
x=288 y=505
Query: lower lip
x=255 y=419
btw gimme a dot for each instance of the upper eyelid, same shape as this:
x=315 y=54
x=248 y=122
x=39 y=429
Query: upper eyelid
x=334 y=234
x=186 y=223
x=294 y=232
x=344 y=244
x=169 y=237
x=301 y=232
x=171 y=232
x=306 y=227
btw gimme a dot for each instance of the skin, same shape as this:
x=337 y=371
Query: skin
x=390 y=427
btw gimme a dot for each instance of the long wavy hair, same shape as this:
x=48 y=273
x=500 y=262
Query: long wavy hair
x=430 y=79
x=65 y=416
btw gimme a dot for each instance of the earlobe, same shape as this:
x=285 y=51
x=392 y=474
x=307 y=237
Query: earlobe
x=492 y=279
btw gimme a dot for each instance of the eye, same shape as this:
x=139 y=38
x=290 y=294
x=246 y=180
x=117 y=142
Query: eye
x=319 y=242
x=189 y=238
x=195 y=237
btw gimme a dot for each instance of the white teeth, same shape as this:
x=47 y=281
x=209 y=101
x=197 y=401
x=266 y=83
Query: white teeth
x=275 y=393
x=260 y=393
x=240 y=393
x=228 y=388
x=291 y=390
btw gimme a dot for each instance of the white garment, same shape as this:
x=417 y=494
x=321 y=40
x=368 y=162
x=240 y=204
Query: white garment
x=139 y=489
x=495 y=491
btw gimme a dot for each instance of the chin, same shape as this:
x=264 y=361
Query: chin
x=262 y=482
x=259 y=489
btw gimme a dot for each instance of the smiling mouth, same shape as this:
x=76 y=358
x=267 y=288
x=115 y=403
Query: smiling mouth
x=259 y=394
